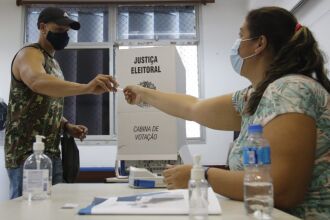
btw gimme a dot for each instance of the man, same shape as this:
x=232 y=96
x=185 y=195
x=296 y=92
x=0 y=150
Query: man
x=36 y=97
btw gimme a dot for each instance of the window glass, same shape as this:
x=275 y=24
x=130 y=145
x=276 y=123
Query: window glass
x=82 y=65
x=156 y=22
x=133 y=24
x=94 y=24
x=189 y=59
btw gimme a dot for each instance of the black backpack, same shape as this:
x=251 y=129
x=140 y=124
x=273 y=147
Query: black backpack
x=3 y=114
x=70 y=158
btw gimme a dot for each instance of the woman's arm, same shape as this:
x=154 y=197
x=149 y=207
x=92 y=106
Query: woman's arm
x=292 y=139
x=217 y=113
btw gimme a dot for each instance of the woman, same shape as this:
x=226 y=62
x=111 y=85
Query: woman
x=288 y=95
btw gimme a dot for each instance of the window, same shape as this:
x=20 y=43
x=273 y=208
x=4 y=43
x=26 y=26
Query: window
x=164 y=25
x=94 y=24
x=105 y=29
x=156 y=22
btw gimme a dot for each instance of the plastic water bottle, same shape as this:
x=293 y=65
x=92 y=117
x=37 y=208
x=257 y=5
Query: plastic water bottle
x=198 y=192
x=258 y=186
x=37 y=173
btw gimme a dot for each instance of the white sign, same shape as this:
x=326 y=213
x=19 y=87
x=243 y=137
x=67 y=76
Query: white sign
x=145 y=133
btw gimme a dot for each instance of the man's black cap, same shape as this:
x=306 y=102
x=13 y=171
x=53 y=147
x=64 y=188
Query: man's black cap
x=58 y=16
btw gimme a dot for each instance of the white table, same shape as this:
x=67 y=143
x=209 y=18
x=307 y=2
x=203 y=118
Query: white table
x=83 y=194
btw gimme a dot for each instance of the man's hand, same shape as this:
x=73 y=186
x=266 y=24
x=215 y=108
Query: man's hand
x=101 y=84
x=177 y=176
x=77 y=131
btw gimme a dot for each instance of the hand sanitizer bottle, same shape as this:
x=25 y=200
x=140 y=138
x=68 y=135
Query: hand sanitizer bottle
x=37 y=173
x=198 y=192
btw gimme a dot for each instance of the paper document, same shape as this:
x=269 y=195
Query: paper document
x=169 y=202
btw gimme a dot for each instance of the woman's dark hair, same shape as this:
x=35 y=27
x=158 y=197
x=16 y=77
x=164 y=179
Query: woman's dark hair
x=294 y=51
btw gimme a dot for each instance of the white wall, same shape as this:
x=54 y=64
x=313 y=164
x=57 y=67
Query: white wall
x=287 y=4
x=10 y=42
x=316 y=16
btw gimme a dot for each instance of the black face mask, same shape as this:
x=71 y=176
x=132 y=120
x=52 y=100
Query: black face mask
x=58 y=40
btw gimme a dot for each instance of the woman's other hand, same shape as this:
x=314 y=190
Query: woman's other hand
x=177 y=176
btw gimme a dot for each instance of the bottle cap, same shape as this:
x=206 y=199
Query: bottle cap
x=197 y=172
x=39 y=145
x=255 y=128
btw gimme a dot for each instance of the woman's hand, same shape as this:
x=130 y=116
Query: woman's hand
x=77 y=131
x=133 y=94
x=177 y=176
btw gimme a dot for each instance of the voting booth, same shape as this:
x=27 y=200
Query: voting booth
x=145 y=133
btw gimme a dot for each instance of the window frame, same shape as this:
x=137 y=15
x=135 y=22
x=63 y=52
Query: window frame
x=112 y=45
x=162 y=42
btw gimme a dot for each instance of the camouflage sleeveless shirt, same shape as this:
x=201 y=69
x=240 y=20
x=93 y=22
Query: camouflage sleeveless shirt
x=30 y=114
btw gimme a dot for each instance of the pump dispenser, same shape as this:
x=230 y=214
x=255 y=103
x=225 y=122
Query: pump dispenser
x=37 y=173
x=39 y=145
x=197 y=172
x=198 y=192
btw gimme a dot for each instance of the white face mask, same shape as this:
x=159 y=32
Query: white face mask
x=235 y=58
